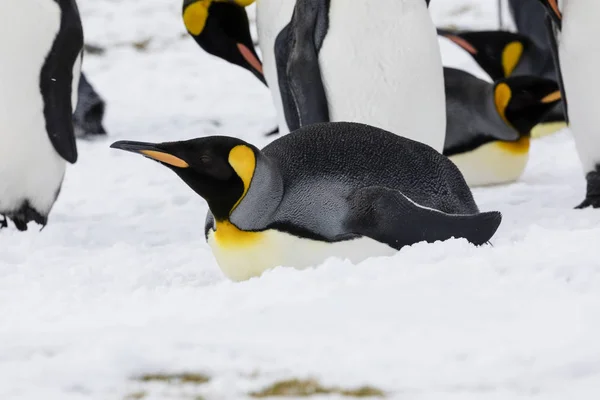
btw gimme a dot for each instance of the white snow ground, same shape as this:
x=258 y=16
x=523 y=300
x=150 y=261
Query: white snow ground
x=122 y=283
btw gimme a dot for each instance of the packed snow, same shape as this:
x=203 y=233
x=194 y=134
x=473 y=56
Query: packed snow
x=121 y=283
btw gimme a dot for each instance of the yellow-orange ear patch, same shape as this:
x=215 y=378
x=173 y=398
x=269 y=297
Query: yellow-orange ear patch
x=502 y=95
x=165 y=158
x=511 y=56
x=552 y=97
x=195 y=16
x=243 y=162
x=241 y=3
x=520 y=146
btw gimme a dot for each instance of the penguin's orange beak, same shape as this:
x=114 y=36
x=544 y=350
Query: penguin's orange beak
x=251 y=58
x=150 y=150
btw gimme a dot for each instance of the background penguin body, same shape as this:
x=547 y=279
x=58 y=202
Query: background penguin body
x=41 y=49
x=335 y=189
x=579 y=63
x=489 y=125
x=89 y=114
x=473 y=121
x=503 y=54
x=528 y=17
x=378 y=65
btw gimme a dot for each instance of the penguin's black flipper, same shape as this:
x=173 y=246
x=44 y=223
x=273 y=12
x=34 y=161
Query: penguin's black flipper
x=297 y=57
x=555 y=57
x=56 y=81
x=390 y=217
x=498 y=53
x=89 y=112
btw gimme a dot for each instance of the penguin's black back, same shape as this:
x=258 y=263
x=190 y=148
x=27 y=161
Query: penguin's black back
x=349 y=156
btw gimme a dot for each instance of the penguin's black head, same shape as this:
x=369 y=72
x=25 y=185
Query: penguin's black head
x=218 y=168
x=497 y=52
x=523 y=101
x=222 y=29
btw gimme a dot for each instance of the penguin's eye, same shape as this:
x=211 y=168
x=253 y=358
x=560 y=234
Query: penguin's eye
x=206 y=160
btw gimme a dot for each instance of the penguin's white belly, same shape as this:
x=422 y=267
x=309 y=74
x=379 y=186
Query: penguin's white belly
x=30 y=168
x=493 y=163
x=271 y=17
x=243 y=255
x=381 y=65
x=579 y=51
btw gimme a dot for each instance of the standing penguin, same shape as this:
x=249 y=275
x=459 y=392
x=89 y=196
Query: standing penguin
x=310 y=81
x=221 y=28
x=577 y=55
x=488 y=144
x=41 y=43
x=350 y=61
x=326 y=190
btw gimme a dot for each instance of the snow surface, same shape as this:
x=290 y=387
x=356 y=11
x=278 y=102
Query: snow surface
x=122 y=283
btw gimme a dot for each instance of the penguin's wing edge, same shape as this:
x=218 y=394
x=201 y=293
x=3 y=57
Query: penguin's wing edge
x=57 y=83
x=297 y=58
x=552 y=39
x=390 y=217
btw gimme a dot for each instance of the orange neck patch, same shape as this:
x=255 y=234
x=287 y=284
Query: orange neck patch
x=520 y=146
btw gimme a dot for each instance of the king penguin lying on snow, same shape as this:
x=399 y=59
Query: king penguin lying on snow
x=403 y=76
x=489 y=125
x=487 y=128
x=41 y=43
x=336 y=189
x=506 y=54
x=574 y=31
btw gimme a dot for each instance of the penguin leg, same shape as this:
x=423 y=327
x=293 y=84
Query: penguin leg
x=4 y=222
x=555 y=57
x=592 y=197
x=89 y=112
x=297 y=59
x=390 y=217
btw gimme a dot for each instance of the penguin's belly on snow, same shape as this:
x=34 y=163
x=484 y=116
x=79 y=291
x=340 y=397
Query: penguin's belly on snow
x=242 y=255
x=493 y=163
x=579 y=53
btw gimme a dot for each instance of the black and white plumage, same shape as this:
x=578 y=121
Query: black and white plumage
x=574 y=31
x=41 y=43
x=334 y=189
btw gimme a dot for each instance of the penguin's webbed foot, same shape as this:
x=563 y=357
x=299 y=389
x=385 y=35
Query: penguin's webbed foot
x=22 y=216
x=592 y=198
x=4 y=222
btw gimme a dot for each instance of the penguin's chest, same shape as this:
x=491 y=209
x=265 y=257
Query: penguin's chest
x=579 y=51
x=493 y=163
x=381 y=65
x=242 y=255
